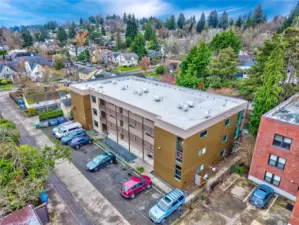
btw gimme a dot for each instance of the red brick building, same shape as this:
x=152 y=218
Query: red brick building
x=276 y=156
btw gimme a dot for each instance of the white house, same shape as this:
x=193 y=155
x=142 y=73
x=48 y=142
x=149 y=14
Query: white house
x=34 y=67
x=127 y=59
x=66 y=106
x=5 y=71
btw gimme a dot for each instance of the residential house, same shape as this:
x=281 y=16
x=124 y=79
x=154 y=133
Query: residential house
x=102 y=56
x=152 y=54
x=245 y=63
x=7 y=71
x=276 y=154
x=182 y=132
x=66 y=106
x=172 y=65
x=35 y=66
x=111 y=44
x=18 y=54
x=127 y=59
x=87 y=73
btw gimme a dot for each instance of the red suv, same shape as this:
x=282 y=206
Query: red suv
x=135 y=185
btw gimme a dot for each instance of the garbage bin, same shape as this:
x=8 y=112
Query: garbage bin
x=43 y=196
x=37 y=125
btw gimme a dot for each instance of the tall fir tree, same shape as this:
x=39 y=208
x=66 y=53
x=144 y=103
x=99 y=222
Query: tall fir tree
x=223 y=21
x=224 y=40
x=61 y=36
x=201 y=23
x=170 y=23
x=258 y=16
x=138 y=44
x=267 y=96
x=27 y=38
x=239 y=22
x=148 y=31
x=213 y=19
x=71 y=31
x=125 y=18
x=181 y=21
x=132 y=29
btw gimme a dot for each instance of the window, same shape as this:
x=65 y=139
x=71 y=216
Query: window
x=95 y=112
x=178 y=172
x=121 y=123
x=282 y=142
x=122 y=136
x=224 y=138
x=150 y=135
x=179 y=149
x=96 y=123
x=227 y=122
x=272 y=179
x=203 y=134
x=120 y=110
x=200 y=168
x=94 y=99
x=222 y=153
x=240 y=114
x=277 y=161
x=237 y=132
x=202 y=151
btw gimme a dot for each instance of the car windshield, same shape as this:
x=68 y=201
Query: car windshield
x=99 y=158
x=61 y=131
x=162 y=205
x=257 y=199
x=124 y=188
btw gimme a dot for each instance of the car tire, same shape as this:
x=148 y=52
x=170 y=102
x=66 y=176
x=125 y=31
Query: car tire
x=148 y=186
x=77 y=147
x=133 y=196
x=89 y=142
x=111 y=161
x=180 y=208
x=163 y=221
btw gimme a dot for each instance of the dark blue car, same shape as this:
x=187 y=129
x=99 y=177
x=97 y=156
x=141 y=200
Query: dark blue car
x=80 y=141
x=100 y=161
x=74 y=134
x=261 y=196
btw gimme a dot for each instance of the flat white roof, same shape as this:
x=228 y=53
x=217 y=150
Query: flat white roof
x=132 y=91
x=288 y=111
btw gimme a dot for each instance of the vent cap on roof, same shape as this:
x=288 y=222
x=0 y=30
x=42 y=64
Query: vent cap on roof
x=190 y=104
x=114 y=82
x=208 y=114
x=157 y=98
x=145 y=90
x=124 y=87
x=139 y=92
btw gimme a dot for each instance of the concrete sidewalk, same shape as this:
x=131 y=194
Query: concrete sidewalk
x=97 y=208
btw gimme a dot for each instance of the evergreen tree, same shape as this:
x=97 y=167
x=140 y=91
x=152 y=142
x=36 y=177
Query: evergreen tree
x=224 y=40
x=96 y=37
x=201 y=23
x=181 y=21
x=170 y=23
x=223 y=21
x=197 y=61
x=27 y=38
x=239 y=22
x=81 y=21
x=71 y=31
x=153 y=45
x=231 y=22
x=289 y=20
x=61 y=35
x=138 y=45
x=42 y=35
x=58 y=63
x=148 y=31
x=225 y=65
x=92 y=19
x=103 y=30
x=84 y=56
x=249 y=20
x=258 y=16
x=267 y=96
x=213 y=19
x=125 y=18
x=132 y=29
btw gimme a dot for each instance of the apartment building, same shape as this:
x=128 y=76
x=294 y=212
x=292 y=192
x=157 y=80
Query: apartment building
x=276 y=155
x=185 y=131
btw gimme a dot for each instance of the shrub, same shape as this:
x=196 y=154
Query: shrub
x=160 y=70
x=140 y=169
x=31 y=112
x=49 y=115
x=4 y=82
x=30 y=101
x=239 y=170
x=7 y=124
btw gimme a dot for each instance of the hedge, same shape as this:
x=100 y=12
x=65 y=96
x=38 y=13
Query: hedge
x=31 y=112
x=51 y=114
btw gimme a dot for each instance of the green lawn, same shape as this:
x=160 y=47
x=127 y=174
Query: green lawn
x=128 y=69
x=151 y=74
x=7 y=87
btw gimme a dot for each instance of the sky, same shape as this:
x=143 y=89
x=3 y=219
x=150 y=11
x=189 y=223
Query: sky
x=27 y=12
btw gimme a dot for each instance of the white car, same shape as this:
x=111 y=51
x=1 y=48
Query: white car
x=55 y=129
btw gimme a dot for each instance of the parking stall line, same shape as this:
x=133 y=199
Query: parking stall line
x=231 y=184
x=271 y=204
x=248 y=196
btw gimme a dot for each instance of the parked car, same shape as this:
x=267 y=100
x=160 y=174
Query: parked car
x=135 y=185
x=80 y=141
x=65 y=130
x=55 y=129
x=100 y=161
x=74 y=134
x=261 y=195
x=171 y=202
x=53 y=122
x=61 y=120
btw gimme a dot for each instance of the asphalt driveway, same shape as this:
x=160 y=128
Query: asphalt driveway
x=108 y=181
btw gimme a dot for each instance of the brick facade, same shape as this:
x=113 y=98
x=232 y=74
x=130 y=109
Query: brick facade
x=289 y=182
x=294 y=220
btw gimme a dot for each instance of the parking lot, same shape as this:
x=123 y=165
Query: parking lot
x=108 y=181
x=228 y=204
